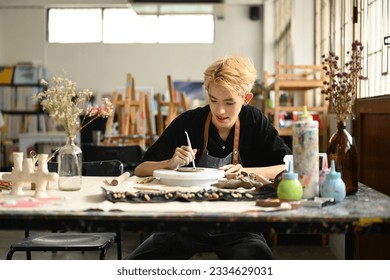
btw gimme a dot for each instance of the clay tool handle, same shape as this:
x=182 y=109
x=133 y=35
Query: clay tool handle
x=120 y=179
x=189 y=144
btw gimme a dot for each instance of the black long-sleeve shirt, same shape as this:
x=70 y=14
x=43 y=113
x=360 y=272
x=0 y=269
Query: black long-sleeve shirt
x=259 y=145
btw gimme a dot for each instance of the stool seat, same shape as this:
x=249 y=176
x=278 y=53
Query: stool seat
x=65 y=242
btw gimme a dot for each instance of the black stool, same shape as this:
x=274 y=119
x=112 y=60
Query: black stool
x=65 y=242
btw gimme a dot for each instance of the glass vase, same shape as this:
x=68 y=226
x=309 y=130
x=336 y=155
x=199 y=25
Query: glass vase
x=70 y=166
x=342 y=149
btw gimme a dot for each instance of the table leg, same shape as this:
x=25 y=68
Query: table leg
x=349 y=246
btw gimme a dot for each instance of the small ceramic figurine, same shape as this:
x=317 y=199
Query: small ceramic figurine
x=42 y=176
x=333 y=186
x=16 y=176
x=28 y=169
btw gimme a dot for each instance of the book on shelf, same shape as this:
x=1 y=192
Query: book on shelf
x=7 y=98
x=6 y=75
x=2 y=122
x=27 y=74
x=24 y=100
x=31 y=122
x=18 y=98
x=14 y=126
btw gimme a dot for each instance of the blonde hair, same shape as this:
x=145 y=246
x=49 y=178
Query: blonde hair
x=235 y=73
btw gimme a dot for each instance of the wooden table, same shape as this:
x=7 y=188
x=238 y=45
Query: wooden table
x=366 y=212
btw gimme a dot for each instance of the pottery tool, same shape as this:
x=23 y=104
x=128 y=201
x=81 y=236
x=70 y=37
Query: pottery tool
x=119 y=179
x=189 y=144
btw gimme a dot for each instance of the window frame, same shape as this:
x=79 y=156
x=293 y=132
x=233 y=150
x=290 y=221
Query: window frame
x=209 y=40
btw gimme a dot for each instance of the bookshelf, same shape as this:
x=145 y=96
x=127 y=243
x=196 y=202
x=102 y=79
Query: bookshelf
x=20 y=113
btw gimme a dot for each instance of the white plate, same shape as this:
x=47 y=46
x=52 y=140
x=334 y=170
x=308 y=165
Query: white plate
x=203 y=178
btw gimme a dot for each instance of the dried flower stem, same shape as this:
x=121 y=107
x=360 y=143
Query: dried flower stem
x=340 y=89
x=65 y=105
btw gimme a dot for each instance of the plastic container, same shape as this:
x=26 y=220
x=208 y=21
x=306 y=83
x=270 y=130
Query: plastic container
x=333 y=186
x=305 y=152
x=289 y=187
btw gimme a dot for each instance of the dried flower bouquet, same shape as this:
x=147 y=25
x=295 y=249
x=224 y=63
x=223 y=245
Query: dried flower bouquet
x=65 y=105
x=341 y=86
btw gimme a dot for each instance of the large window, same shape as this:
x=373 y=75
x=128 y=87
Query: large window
x=122 y=25
x=75 y=25
x=341 y=22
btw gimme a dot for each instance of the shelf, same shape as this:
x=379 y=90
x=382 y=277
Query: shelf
x=296 y=80
x=20 y=111
x=290 y=109
x=15 y=112
x=22 y=85
x=299 y=85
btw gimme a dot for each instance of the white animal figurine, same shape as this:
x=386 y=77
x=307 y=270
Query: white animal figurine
x=42 y=176
x=16 y=177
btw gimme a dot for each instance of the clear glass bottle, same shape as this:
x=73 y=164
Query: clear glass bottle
x=70 y=166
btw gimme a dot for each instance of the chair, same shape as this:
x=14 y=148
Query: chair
x=96 y=168
x=63 y=241
x=129 y=155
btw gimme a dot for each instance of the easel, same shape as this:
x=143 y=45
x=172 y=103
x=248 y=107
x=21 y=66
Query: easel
x=175 y=106
x=130 y=131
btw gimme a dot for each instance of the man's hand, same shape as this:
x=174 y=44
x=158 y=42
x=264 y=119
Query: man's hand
x=232 y=171
x=183 y=156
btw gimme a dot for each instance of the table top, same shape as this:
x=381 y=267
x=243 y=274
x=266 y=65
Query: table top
x=366 y=211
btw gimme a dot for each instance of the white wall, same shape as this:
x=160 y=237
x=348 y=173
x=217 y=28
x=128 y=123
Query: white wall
x=1 y=36
x=269 y=37
x=303 y=31
x=103 y=67
x=23 y=38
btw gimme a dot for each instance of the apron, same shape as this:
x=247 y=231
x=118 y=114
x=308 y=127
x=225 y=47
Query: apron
x=208 y=161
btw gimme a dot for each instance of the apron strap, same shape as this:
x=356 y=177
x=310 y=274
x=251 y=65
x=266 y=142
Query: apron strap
x=206 y=132
x=236 y=137
x=236 y=141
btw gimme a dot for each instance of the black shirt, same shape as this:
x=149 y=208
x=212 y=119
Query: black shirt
x=259 y=145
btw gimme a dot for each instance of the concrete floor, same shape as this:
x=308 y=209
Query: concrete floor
x=292 y=248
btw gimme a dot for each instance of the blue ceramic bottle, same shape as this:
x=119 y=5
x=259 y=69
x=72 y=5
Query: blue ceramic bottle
x=333 y=186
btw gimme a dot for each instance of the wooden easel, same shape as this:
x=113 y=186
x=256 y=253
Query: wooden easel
x=129 y=110
x=175 y=106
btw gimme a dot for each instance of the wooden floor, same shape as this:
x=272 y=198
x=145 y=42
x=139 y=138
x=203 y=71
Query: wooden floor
x=286 y=250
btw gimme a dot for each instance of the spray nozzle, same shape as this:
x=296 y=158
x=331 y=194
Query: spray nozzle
x=305 y=116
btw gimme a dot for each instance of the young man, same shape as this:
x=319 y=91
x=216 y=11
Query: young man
x=227 y=134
